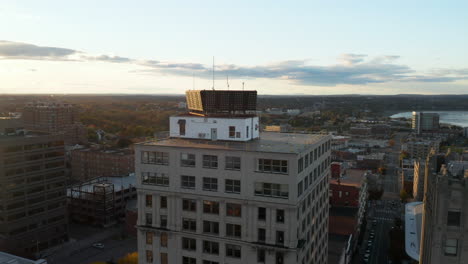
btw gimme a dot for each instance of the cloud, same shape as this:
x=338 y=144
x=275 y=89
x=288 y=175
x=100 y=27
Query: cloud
x=17 y=50
x=351 y=69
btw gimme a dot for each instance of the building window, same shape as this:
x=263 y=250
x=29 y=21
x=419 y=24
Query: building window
x=155 y=157
x=299 y=189
x=232 y=132
x=181 y=123
x=261 y=235
x=149 y=200
x=279 y=216
x=279 y=258
x=233 y=163
x=189 y=244
x=232 y=186
x=279 y=237
x=163 y=239
x=451 y=247
x=210 y=161
x=187 y=182
x=164 y=259
x=163 y=221
x=273 y=166
x=163 y=202
x=233 y=251
x=233 y=209
x=188 y=260
x=187 y=160
x=210 y=247
x=149 y=238
x=210 y=184
x=210 y=207
x=153 y=178
x=210 y=227
x=233 y=230
x=189 y=224
x=306 y=160
x=189 y=205
x=453 y=218
x=149 y=219
x=238 y=134
x=261 y=255
x=210 y=262
x=271 y=190
x=247 y=132
x=262 y=213
x=300 y=165
x=149 y=256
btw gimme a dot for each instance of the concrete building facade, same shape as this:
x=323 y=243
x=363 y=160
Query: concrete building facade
x=424 y=122
x=261 y=198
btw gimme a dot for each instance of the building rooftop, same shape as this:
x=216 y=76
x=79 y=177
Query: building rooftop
x=106 y=151
x=268 y=142
x=413 y=222
x=12 y=259
x=120 y=183
x=351 y=177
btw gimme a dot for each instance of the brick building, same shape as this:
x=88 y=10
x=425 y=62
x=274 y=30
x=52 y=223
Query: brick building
x=91 y=163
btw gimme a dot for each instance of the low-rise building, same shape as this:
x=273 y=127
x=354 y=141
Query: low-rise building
x=6 y=258
x=101 y=201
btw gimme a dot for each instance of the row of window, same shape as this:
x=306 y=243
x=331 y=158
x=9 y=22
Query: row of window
x=210 y=247
x=308 y=180
x=312 y=156
x=211 y=184
x=211 y=162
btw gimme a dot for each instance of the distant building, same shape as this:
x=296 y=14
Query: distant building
x=339 y=142
x=94 y=163
x=102 y=201
x=32 y=190
x=283 y=128
x=418 y=180
x=420 y=148
x=360 y=130
x=55 y=118
x=219 y=191
x=343 y=234
x=336 y=169
x=6 y=258
x=423 y=122
x=370 y=162
x=407 y=180
x=131 y=216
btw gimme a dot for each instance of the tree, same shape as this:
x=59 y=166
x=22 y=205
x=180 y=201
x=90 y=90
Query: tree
x=404 y=195
x=131 y=258
x=391 y=142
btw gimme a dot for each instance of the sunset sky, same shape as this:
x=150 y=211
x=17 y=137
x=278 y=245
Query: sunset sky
x=275 y=47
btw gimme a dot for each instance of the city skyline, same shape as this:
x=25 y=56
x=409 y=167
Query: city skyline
x=307 y=48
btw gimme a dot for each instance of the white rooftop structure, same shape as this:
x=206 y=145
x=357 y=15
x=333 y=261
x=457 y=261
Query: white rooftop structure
x=413 y=222
x=6 y=258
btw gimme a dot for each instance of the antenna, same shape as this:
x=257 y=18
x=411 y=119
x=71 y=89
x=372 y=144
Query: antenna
x=213 y=74
x=227 y=81
x=243 y=86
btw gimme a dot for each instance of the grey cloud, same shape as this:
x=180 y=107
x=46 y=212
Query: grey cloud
x=17 y=50
x=353 y=69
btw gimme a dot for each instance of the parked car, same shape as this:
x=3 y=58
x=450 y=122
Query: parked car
x=98 y=245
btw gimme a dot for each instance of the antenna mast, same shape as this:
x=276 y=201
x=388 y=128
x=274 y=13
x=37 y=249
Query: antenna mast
x=227 y=81
x=243 y=86
x=213 y=74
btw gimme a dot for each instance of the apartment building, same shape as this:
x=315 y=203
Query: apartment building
x=420 y=148
x=219 y=191
x=55 y=118
x=32 y=190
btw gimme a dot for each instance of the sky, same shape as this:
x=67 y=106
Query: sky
x=274 y=47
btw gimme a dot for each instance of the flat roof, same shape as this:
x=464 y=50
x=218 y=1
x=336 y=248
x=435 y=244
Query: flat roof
x=413 y=222
x=268 y=142
x=6 y=258
x=351 y=177
x=120 y=183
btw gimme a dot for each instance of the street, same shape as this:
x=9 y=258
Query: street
x=381 y=214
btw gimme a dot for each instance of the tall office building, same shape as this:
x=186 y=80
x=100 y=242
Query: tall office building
x=443 y=232
x=219 y=191
x=32 y=190
x=425 y=122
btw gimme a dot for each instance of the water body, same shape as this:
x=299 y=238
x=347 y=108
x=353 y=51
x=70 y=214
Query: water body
x=458 y=118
